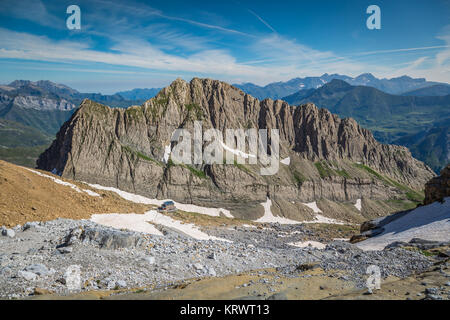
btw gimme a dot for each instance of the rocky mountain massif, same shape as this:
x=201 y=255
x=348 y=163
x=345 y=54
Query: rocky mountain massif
x=417 y=122
x=333 y=161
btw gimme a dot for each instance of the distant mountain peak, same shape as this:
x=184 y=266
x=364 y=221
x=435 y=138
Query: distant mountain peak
x=277 y=90
x=19 y=83
x=366 y=77
x=337 y=84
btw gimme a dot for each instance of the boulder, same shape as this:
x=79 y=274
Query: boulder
x=439 y=187
x=29 y=276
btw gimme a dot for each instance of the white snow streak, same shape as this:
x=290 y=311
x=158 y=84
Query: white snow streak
x=167 y=151
x=214 y=212
x=237 y=152
x=64 y=183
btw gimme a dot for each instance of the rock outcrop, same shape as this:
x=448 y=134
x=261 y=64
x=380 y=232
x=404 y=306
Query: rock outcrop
x=436 y=189
x=439 y=187
x=329 y=158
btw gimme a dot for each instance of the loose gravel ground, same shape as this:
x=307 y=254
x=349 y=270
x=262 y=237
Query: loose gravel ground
x=39 y=255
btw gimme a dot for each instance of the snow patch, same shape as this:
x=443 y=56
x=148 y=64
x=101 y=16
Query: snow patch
x=306 y=244
x=91 y=193
x=313 y=206
x=143 y=223
x=130 y=221
x=214 y=212
x=268 y=217
x=286 y=161
x=167 y=151
x=237 y=152
x=320 y=218
x=431 y=222
x=358 y=204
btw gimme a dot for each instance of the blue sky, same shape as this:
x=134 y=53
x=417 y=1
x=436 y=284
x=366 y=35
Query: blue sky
x=136 y=44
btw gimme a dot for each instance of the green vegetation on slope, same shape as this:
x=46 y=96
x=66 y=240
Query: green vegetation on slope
x=48 y=122
x=326 y=171
x=22 y=156
x=139 y=155
x=20 y=144
x=14 y=134
x=411 y=194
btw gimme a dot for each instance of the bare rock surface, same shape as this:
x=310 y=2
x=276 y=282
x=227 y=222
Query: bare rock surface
x=439 y=187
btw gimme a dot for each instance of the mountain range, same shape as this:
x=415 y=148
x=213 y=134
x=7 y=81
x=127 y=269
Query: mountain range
x=404 y=120
x=139 y=94
x=44 y=106
x=278 y=90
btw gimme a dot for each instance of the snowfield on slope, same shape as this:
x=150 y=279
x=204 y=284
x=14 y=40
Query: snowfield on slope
x=307 y=244
x=144 y=223
x=431 y=222
x=268 y=216
x=319 y=218
x=214 y=212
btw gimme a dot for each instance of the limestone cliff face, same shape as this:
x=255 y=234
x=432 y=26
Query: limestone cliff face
x=439 y=187
x=330 y=158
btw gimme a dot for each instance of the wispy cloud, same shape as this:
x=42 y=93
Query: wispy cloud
x=262 y=20
x=32 y=10
x=145 y=10
x=398 y=50
x=126 y=53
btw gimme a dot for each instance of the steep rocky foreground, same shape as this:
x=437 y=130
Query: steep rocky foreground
x=27 y=195
x=35 y=261
x=331 y=159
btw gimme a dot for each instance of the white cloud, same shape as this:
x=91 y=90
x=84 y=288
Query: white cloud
x=145 y=38
x=127 y=53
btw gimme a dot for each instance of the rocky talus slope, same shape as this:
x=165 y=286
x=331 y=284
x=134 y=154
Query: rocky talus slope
x=332 y=161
